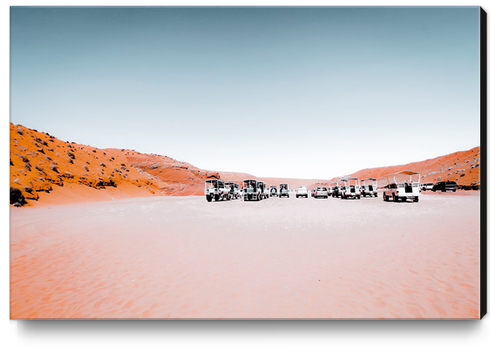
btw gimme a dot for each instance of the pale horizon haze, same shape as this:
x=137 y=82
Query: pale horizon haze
x=293 y=92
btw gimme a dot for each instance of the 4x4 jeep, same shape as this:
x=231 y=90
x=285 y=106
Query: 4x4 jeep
x=274 y=191
x=283 y=190
x=333 y=190
x=351 y=188
x=302 y=191
x=406 y=188
x=263 y=189
x=251 y=190
x=216 y=189
x=369 y=187
x=234 y=189
x=443 y=186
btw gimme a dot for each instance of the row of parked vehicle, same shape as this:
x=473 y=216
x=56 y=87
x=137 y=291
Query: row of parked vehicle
x=254 y=190
x=406 y=188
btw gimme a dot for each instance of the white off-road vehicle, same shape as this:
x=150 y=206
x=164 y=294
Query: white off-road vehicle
x=320 y=192
x=302 y=191
x=234 y=189
x=264 y=189
x=369 y=187
x=403 y=186
x=252 y=190
x=274 y=191
x=217 y=190
x=283 y=190
x=350 y=188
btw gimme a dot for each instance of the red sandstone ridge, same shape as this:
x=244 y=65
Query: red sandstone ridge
x=40 y=163
x=462 y=167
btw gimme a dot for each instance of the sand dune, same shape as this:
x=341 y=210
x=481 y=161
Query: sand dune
x=181 y=257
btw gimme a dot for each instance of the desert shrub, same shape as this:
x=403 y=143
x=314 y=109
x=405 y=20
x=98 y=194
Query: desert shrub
x=16 y=197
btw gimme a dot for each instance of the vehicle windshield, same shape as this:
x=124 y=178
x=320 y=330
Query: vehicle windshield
x=249 y=184
x=211 y=184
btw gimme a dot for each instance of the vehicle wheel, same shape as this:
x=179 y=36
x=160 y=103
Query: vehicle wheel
x=385 y=198
x=395 y=199
x=375 y=195
x=358 y=197
x=444 y=190
x=404 y=199
x=209 y=198
x=416 y=199
x=216 y=198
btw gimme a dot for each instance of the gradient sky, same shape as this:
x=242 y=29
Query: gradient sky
x=275 y=92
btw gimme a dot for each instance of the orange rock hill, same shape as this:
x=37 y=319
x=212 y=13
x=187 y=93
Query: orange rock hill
x=462 y=167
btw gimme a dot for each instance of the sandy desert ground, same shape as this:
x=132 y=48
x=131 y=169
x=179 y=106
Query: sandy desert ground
x=182 y=257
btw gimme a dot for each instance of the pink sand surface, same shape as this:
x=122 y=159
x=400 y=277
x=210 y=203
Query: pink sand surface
x=182 y=257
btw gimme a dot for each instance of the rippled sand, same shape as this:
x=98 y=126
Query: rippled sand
x=182 y=257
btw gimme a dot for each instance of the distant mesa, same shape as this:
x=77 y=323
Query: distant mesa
x=39 y=162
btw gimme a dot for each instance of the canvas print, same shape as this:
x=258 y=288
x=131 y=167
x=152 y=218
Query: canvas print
x=245 y=162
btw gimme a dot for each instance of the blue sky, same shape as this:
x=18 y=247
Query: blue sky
x=278 y=92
